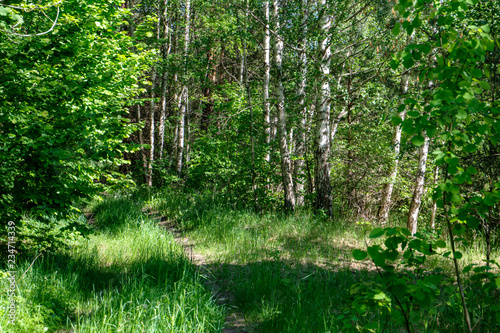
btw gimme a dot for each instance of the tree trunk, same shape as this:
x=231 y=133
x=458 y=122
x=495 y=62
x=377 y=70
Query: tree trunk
x=267 y=75
x=249 y=98
x=300 y=141
x=419 y=187
x=385 y=203
x=151 y=130
x=142 y=151
x=434 y=202
x=184 y=96
x=165 y=51
x=286 y=165
x=322 y=135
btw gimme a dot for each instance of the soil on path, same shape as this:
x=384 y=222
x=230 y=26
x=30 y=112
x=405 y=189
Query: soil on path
x=235 y=320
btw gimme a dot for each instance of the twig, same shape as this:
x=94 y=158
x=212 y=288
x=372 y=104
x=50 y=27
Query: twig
x=30 y=266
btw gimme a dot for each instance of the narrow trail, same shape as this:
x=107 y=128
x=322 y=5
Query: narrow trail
x=235 y=320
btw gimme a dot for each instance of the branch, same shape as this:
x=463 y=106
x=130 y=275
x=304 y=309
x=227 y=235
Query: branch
x=54 y=22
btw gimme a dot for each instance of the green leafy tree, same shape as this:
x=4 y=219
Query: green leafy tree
x=62 y=115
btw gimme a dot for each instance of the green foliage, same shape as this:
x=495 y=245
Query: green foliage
x=413 y=294
x=62 y=116
x=133 y=278
x=35 y=236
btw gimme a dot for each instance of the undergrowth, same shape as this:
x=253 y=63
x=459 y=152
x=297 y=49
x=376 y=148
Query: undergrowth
x=295 y=273
x=127 y=276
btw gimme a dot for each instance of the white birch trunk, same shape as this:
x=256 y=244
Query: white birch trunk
x=434 y=203
x=151 y=130
x=184 y=96
x=300 y=138
x=385 y=202
x=267 y=75
x=286 y=165
x=322 y=134
x=165 y=51
x=419 y=187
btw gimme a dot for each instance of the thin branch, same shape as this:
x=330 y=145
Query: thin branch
x=38 y=34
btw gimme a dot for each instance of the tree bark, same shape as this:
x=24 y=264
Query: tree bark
x=300 y=141
x=419 y=187
x=165 y=51
x=432 y=222
x=322 y=135
x=151 y=130
x=286 y=165
x=184 y=96
x=385 y=203
x=249 y=98
x=267 y=75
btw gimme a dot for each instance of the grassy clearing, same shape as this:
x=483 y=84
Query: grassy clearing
x=129 y=276
x=293 y=273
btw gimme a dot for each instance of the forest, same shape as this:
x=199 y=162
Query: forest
x=249 y=166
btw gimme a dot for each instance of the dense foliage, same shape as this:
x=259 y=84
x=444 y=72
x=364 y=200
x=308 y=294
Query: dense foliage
x=62 y=108
x=373 y=112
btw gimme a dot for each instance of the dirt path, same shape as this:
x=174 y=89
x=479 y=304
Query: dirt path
x=235 y=320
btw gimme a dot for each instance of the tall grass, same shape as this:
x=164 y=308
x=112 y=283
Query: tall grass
x=292 y=273
x=130 y=276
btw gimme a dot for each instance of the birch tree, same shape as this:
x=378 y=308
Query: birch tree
x=267 y=75
x=300 y=138
x=419 y=187
x=165 y=51
x=286 y=165
x=322 y=134
x=184 y=95
x=385 y=202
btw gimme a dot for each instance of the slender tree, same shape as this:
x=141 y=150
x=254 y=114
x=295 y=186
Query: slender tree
x=419 y=187
x=266 y=79
x=300 y=138
x=385 y=202
x=184 y=95
x=286 y=165
x=322 y=135
x=165 y=51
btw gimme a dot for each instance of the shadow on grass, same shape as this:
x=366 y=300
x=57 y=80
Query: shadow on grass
x=63 y=281
x=286 y=296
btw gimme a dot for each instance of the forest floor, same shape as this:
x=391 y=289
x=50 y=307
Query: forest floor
x=291 y=273
x=175 y=262
x=234 y=320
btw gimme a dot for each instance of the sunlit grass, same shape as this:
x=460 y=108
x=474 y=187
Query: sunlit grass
x=130 y=276
x=292 y=273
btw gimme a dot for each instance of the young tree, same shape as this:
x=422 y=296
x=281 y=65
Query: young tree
x=385 y=203
x=301 y=137
x=286 y=165
x=322 y=134
x=184 y=95
x=419 y=187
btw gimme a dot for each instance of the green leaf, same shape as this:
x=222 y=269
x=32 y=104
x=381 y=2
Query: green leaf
x=441 y=243
x=359 y=255
x=396 y=29
x=377 y=232
x=461 y=114
x=396 y=120
x=457 y=255
x=5 y=11
x=381 y=296
x=408 y=62
x=415 y=244
x=418 y=140
x=470 y=148
x=472 y=222
x=477 y=73
x=485 y=85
